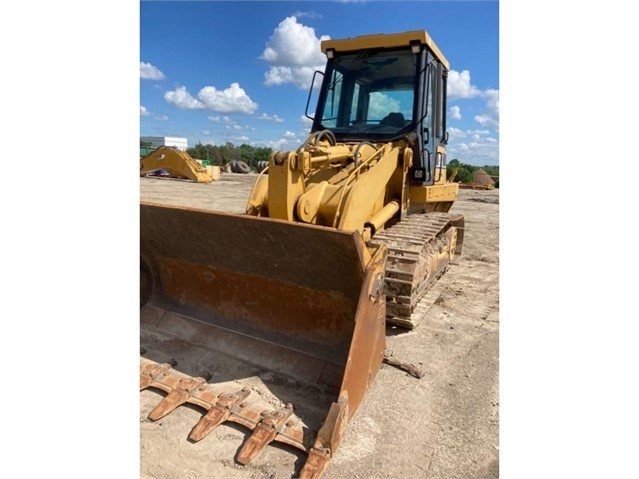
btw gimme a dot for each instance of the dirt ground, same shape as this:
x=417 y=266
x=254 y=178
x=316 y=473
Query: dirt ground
x=444 y=425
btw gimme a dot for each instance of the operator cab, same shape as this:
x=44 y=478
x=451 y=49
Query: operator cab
x=369 y=93
x=381 y=88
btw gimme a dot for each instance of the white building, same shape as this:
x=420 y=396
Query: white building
x=157 y=141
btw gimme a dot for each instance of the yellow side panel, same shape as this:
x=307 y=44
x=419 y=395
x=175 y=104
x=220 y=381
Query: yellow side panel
x=435 y=193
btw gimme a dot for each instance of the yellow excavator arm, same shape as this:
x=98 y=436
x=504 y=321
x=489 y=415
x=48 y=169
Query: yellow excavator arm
x=178 y=163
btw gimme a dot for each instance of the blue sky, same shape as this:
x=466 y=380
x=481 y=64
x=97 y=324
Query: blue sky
x=240 y=71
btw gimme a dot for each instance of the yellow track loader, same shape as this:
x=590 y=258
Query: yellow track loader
x=341 y=236
x=177 y=163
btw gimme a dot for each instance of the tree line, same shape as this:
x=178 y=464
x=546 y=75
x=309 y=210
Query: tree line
x=222 y=154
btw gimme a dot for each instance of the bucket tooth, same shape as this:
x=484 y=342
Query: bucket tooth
x=315 y=464
x=219 y=412
x=264 y=433
x=150 y=372
x=176 y=397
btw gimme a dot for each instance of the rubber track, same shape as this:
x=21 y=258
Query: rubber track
x=406 y=286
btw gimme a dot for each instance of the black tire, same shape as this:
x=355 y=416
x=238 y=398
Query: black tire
x=242 y=167
x=234 y=166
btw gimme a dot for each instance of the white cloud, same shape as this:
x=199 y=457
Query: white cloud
x=232 y=100
x=228 y=121
x=483 y=120
x=455 y=133
x=162 y=118
x=143 y=111
x=380 y=105
x=277 y=145
x=293 y=54
x=149 y=72
x=275 y=118
x=288 y=141
x=293 y=44
x=474 y=147
x=306 y=121
x=181 y=98
x=454 y=113
x=490 y=118
x=312 y=14
x=207 y=140
x=305 y=126
x=478 y=133
x=231 y=124
x=459 y=86
x=298 y=76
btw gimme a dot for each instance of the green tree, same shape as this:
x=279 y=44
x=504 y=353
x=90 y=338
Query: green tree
x=463 y=172
x=492 y=170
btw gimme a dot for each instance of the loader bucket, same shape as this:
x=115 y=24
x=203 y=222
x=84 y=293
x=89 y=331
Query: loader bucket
x=286 y=321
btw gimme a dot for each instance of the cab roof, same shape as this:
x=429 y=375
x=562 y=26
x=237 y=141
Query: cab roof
x=385 y=40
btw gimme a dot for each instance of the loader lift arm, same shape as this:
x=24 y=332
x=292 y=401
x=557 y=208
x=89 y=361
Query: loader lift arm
x=350 y=187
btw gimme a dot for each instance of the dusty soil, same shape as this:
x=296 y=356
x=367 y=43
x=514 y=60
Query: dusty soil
x=444 y=425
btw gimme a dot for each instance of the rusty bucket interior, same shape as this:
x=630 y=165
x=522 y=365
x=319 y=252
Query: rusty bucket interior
x=288 y=321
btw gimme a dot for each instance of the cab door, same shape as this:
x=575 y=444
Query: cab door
x=431 y=133
x=440 y=135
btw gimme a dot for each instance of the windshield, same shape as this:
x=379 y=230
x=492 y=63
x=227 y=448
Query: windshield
x=369 y=94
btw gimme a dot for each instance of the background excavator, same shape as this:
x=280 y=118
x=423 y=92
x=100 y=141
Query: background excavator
x=177 y=163
x=342 y=235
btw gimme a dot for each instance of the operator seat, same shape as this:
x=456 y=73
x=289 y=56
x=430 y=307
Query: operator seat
x=395 y=119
